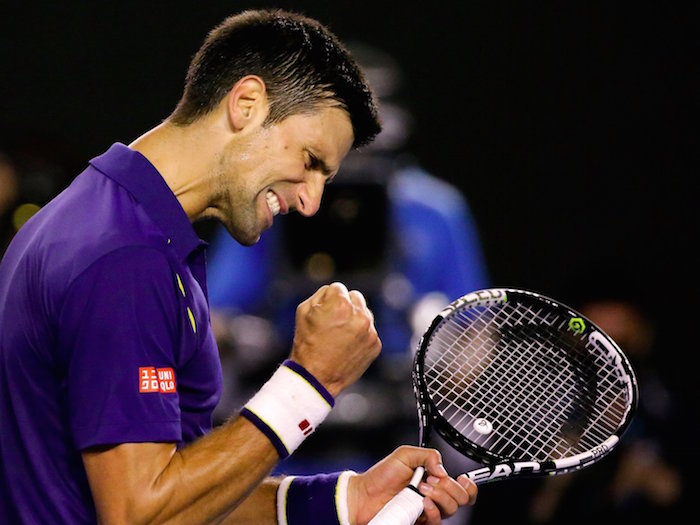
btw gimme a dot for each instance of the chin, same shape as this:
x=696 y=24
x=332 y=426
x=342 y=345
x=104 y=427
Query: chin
x=246 y=239
x=243 y=237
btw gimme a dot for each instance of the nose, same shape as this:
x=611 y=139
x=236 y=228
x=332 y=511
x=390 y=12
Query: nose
x=309 y=195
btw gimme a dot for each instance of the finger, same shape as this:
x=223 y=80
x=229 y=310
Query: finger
x=431 y=513
x=469 y=486
x=359 y=302
x=338 y=289
x=358 y=299
x=433 y=464
x=447 y=493
x=318 y=296
x=418 y=457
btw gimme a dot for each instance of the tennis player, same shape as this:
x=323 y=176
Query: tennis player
x=108 y=369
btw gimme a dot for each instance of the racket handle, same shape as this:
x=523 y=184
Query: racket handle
x=405 y=507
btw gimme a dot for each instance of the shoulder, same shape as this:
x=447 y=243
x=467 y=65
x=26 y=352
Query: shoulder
x=92 y=218
x=93 y=224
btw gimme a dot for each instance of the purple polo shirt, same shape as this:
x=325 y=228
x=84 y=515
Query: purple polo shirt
x=104 y=337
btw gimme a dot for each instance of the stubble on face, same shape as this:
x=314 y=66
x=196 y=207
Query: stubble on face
x=234 y=199
x=275 y=155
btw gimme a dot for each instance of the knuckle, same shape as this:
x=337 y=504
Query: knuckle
x=461 y=495
x=404 y=449
x=357 y=296
x=451 y=506
x=343 y=308
x=356 y=293
x=377 y=347
x=364 y=323
x=338 y=287
x=435 y=455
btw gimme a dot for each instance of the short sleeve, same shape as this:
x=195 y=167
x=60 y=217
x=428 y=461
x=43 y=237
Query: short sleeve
x=119 y=331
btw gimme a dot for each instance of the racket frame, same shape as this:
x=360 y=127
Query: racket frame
x=496 y=466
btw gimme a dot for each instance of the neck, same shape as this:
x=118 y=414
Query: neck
x=185 y=157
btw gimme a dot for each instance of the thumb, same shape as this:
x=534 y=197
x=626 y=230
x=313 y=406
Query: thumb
x=429 y=458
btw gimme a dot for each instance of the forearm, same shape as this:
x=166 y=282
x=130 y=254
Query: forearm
x=210 y=478
x=206 y=481
x=259 y=508
x=202 y=483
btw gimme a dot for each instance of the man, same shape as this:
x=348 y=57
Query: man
x=108 y=369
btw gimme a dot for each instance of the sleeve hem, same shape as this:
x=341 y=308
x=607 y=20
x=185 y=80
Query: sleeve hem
x=167 y=431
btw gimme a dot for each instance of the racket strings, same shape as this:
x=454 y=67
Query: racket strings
x=513 y=401
x=545 y=393
x=540 y=412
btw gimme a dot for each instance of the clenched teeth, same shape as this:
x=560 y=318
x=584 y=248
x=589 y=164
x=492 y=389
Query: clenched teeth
x=273 y=203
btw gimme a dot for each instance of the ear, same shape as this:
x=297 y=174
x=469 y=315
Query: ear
x=246 y=103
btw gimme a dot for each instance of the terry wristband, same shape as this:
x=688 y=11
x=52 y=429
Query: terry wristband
x=319 y=499
x=289 y=407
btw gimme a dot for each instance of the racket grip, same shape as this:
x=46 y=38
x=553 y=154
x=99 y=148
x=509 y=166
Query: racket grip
x=405 y=507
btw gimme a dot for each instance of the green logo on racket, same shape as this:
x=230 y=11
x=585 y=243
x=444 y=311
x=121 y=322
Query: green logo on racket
x=577 y=325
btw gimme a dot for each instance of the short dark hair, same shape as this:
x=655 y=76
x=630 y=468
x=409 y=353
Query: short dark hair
x=301 y=62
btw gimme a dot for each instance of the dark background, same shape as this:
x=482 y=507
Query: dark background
x=570 y=127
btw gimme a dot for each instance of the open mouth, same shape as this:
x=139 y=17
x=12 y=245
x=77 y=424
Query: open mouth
x=272 y=202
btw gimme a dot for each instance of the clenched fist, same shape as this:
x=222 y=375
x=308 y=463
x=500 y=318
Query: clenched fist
x=335 y=338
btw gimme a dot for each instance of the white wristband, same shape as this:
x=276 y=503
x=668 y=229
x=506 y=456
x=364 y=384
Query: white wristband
x=282 y=491
x=289 y=407
x=341 y=497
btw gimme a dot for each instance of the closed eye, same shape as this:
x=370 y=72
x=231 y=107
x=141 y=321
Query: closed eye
x=316 y=164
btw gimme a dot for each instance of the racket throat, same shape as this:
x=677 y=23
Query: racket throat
x=424 y=435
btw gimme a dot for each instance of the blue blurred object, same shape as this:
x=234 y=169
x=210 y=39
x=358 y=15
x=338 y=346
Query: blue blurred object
x=404 y=238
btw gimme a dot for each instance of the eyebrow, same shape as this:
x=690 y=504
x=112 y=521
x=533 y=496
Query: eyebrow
x=321 y=164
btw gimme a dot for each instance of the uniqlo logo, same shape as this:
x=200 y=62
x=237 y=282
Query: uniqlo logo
x=152 y=379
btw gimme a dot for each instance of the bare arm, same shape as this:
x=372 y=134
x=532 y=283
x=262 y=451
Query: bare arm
x=202 y=483
x=206 y=481
x=259 y=508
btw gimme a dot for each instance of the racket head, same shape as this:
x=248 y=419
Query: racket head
x=512 y=377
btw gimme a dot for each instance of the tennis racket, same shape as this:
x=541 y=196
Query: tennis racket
x=520 y=383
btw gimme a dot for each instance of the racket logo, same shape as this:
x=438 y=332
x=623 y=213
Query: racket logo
x=600 y=450
x=503 y=470
x=483 y=426
x=577 y=325
x=481 y=297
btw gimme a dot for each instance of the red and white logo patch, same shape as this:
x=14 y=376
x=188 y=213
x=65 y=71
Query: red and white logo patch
x=152 y=379
x=306 y=427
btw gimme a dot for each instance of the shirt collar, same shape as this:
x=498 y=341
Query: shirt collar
x=131 y=170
